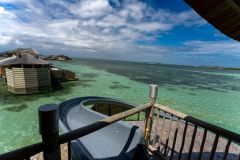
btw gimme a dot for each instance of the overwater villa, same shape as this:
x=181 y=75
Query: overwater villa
x=100 y=128
x=28 y=74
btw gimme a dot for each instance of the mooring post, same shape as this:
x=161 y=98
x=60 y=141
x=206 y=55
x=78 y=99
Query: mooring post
x=49 y=129
x=153 y=91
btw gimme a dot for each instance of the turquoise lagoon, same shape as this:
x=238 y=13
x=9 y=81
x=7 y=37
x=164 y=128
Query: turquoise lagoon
x=212 y=95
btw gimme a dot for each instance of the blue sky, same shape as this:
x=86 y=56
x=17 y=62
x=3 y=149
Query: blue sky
x=145 y=30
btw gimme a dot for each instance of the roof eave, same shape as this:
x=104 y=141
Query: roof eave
x=223 y=15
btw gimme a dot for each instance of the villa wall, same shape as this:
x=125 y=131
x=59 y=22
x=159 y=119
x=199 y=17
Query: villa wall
x=62 y=75
x=2 y=72
x=28 y=80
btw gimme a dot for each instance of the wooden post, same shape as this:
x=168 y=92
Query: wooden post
x=150 y=112
x=49 y=129
x=153 y=93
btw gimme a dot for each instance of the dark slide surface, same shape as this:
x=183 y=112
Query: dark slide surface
x=120 y=140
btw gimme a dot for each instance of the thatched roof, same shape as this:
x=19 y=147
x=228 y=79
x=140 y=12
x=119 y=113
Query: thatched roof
x=23 y=59
x=19 y=51
x=222 y=14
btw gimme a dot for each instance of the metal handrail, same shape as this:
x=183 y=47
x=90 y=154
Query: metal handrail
x=23 y=153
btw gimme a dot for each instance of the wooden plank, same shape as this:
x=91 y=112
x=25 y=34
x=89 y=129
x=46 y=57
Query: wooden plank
x=202 y=6
x=236 y=33
x=228 y=20
x=9 y=75
x=232 y=29
x=216 y=10
x=170 y=111
x=10 y=82
x=203 y=143
x=168 y=136
x=161 y=131
x=25 y=83
x=183 y=140
x=227 y=149
x=234 y=5
x=174 y=139
x=192 y=142
x=214 y=147
x=156 y=126
x=30 y=78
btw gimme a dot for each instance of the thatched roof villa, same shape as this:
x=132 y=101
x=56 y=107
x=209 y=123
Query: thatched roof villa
x=26 y=74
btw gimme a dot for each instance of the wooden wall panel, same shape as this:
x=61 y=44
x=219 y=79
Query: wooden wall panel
x=28 y=80
x=9 y=75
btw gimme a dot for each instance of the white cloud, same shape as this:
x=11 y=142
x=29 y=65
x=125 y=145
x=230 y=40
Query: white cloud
x=188 y=18
x=211 y=47
x=152 y=26
x=18 y=42
x=3 y=11
x=85 y=8
x=90 y=25
x=4 y=40
x=135 y=11
x=90 y=8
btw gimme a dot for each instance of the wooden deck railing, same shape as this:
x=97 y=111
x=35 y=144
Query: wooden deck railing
x=168 y=135
x=175 y=135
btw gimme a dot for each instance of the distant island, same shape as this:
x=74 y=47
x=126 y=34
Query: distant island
x=219 y=68
x=33 y=52
x=57 y=58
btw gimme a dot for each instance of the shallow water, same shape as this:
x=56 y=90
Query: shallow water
x=211 y=95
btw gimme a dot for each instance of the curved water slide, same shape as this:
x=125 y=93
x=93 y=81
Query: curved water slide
x=120 y=140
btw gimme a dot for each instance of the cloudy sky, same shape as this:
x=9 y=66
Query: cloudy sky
x=145 y=30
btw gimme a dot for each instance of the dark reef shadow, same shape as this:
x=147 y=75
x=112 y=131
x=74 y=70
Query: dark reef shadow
x=17 y=108
x=119 y=86
x=192 y=94
x=171 y=89
x=89 y=75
